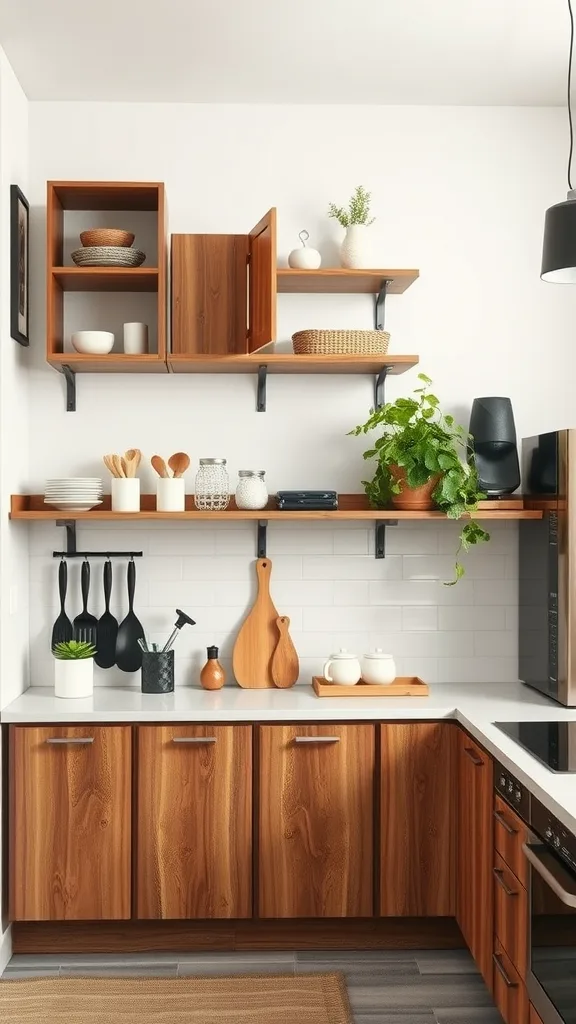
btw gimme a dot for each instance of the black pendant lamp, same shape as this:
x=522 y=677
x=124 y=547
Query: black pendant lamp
x=559 y=248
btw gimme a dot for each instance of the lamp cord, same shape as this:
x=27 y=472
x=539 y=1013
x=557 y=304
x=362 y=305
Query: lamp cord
x=570 y=122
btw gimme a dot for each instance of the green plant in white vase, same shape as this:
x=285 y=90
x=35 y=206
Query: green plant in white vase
x=354 y=251
x=74 y=668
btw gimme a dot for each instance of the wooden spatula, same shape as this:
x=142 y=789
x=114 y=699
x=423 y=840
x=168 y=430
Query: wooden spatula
x=258 y=636
x=285 y=664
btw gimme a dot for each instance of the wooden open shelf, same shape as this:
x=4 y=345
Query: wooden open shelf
x=352 y=507
x=106 y=279
x=334 y=280
x=115 y=362
x=287 y=362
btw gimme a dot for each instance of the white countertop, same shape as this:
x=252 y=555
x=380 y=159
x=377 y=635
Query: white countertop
x=476 y=707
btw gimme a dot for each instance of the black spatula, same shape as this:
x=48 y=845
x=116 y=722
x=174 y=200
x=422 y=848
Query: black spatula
x=107 y=629
x=130 y=630
x=85 y=624
x=62 y=629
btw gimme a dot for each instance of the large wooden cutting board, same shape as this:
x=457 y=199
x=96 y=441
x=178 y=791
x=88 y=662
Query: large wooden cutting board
x=258 y=636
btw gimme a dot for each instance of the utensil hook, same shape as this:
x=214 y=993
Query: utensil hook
x=72 y=550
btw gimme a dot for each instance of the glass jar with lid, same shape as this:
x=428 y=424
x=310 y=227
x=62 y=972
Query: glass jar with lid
x=251 y=492
x=212 y=487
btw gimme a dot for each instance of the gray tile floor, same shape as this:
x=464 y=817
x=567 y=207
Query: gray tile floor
x=385 y=987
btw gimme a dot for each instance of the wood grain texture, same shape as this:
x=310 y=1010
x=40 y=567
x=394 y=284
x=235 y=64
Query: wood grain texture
x=509 y=991
x=510 y=833
x=106 y=279
x=338 y=280
x=115 y=362
x=417 y=848
x=209 y=294
x=535 y=1018
x=194 y=822
x=262 y=282
x=474 y=861
x=316 y=809
x=70 y=823
x=511 y=914
x=285 y=663
x=107 y=195
x=162 y=305
x=54 y=254
x=258 y=636
x=403 y=686
x=288 y=362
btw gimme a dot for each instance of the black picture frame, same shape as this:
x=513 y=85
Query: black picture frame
x=19 y=266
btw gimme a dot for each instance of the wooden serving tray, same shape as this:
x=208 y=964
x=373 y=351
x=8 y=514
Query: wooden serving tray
x=403 y=686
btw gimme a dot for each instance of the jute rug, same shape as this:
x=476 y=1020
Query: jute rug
x=270 y=999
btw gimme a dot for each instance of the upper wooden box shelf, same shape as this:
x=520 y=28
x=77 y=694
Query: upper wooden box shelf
x=335 y=280
x=106 y=279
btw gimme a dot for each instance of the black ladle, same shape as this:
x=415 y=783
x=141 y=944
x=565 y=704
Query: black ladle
x=130 y=631
x=182 y=620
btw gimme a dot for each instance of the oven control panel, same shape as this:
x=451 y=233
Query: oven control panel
x=554 y=833
x=508 y=787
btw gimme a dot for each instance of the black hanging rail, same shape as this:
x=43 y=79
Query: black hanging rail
x=72 y=550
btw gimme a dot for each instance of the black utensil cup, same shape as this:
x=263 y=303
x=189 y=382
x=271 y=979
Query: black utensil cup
x=157 y=671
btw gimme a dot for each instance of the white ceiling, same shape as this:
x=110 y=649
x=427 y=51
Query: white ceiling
x=290 y=51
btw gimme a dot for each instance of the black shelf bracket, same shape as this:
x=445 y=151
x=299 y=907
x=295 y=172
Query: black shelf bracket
x=380 y=536
x=70 y=376
x=72 y=550
x=262 y=538
x=380 y=306
x=380 y=387
x=261 y=391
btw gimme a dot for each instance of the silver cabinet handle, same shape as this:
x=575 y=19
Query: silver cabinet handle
x=502 y=971
x=476 y=761
x=316 y=739
x=505 y=824
x=551 y=873
x=499 y=876
x=79 y=740
x=198 y=740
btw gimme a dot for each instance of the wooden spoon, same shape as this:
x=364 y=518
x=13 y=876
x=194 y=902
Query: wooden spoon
x=160 y=466
x=132 y=460
x=179 y=463
x=118 y=466
x=109 y=463
x=285 y=664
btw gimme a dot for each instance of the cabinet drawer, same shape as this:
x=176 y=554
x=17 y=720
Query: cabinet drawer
x=510 y=833
x=510 y=994
x=510 y=914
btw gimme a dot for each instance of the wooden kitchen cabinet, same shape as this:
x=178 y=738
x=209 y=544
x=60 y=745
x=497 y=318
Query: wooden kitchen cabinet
x=417 y=849
x=316 y=812
x=510 y=833
x=535 y=1018
x=509 y=991
x=194 y=812
x=511 y=914
x=474 y=844
x=70 y=823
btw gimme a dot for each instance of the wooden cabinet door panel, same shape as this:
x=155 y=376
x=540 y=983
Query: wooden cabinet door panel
x=70 y=823
x=511 y=914
x=535 y=1018
x=262 y=282
x=417 y=836
x=194 y=821
x=510 y=993
x=209 y=294
x=510 y=833
x=316 y=821
x=474 y=889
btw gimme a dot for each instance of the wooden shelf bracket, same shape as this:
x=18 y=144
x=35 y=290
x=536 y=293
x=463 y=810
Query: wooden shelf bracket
x=262 y=538
x=261 y=389
x=380 y=536
x=72 y=550
x=70 y=378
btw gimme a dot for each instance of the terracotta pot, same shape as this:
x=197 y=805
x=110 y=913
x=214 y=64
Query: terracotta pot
x=413 y=499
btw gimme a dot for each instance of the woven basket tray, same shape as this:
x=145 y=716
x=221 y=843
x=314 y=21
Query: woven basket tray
x=341 y=343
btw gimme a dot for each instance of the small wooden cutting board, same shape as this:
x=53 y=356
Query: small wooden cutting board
x=285 y=664
x=258 y=636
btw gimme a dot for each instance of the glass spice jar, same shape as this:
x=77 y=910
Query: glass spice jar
x=212 y=487
x=251 y=492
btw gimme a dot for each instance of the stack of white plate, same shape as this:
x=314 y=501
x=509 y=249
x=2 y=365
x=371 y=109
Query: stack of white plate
x=74 y=493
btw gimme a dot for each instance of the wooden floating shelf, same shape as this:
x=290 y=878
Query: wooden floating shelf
x=352 y=507
x=106 y=279
x=336 y=280
x=115 y=362
x=288 y=362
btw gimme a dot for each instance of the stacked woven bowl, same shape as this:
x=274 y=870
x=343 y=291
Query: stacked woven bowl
x=107 y=247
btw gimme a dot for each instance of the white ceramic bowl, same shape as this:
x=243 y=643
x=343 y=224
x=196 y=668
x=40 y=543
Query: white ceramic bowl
x=93 y=343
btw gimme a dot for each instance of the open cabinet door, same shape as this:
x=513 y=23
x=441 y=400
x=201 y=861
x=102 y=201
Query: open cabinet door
x=262 y=283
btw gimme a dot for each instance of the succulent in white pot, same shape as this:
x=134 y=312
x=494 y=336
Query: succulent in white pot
x=355 y=251
x=74 y=668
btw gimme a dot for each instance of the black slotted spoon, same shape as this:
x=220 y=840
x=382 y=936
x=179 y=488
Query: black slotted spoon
x=107 y=628
x=62 y=629
x=130 y=631
x=85 y=624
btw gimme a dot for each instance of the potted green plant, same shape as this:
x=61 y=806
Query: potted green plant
x=74 y=668
x=422 y=463
x=354 y=251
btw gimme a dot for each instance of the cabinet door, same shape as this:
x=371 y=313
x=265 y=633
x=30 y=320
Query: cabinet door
x=509 y=991
x=316 y=821
x=474 y=890
x=510 y=833
x=194 y=821
x=511 y=914
x=209 y=289
x=535 y=1017
x=417 y=834
x=70 y=823
x=262 y=283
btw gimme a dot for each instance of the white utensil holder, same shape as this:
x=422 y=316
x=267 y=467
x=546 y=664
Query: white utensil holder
x=125 y=494
x=74 y=679
x=171 y=494
x=135 y=339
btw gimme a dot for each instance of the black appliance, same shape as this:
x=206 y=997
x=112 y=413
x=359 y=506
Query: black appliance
x=552 y=743
x=512 y=791
x=494 y=446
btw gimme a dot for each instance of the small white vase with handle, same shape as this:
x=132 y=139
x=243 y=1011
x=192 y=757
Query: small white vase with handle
x=342 y=669
x=355 y=251
x=74 y=678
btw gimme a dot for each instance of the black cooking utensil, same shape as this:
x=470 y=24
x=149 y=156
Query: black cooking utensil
x=107 y=629
x=85 y=624
x=62 y=629
x=130 y=630
x=182 y=620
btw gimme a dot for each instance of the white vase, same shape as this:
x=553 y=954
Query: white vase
x=355 y=249
x=74 y=678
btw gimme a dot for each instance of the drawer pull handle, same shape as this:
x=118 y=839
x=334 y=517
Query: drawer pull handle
x=505 y=824
x=502 y=971
x=499 y=876
x=198 y=740
x=476 y=761
x=77 y=740
x=316 y=739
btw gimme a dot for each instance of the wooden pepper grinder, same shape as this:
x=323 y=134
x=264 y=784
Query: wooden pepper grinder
x=212 y=676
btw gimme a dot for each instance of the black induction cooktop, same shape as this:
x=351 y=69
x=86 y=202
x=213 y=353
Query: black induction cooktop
x=552 y=743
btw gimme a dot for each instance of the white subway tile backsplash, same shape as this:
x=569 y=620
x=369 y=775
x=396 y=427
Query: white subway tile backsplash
x=198 y=540
x=306 y=593
x=417 y=617
x=478 y=670
x=498 y=644
x=501 y=592
x=351 y=542
x=472 y=617
x=353 y=619
x=351 y=592
x=180 y=593
x=410 y=539
x=420 y=592
x=351 y=567
x=314 y=539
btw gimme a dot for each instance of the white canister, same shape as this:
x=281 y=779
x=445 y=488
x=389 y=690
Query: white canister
x=378 y=668
x=171 y=494
x=251 y=492
x=74 y=678
x=342 y=668
x=135 y=339
x=125 y=494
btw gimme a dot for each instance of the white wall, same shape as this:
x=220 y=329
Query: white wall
x=459 y=193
